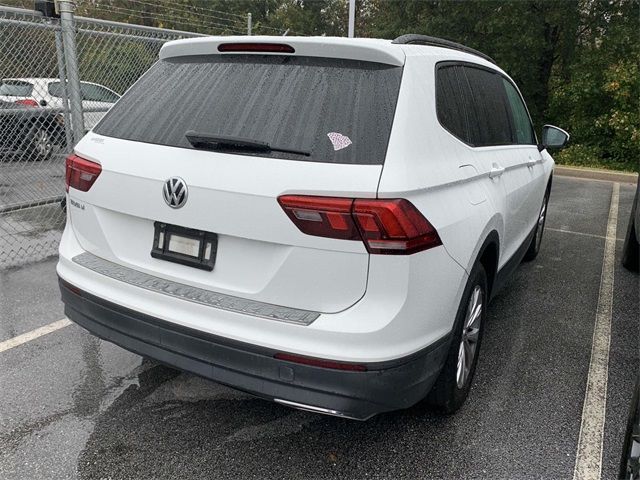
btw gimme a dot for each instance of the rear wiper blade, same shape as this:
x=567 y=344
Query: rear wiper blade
x=208 y=141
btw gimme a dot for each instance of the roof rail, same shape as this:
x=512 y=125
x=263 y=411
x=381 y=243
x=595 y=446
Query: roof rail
x=416 y=39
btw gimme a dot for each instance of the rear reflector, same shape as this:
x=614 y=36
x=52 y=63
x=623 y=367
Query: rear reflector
x=71 y=288
x=27 y=102
x=256 y=47
x=81 y=173
x=318 y=362
x=388 y=227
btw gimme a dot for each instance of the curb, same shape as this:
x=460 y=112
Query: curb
x=595 y=174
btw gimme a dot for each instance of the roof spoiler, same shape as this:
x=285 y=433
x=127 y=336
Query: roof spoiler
x=366 y=50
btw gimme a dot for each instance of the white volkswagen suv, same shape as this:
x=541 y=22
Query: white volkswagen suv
x=317 y=221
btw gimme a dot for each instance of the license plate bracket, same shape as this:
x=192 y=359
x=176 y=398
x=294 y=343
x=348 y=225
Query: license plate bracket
x=186 y=246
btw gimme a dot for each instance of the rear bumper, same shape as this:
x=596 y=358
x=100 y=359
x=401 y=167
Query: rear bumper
x=359 y=395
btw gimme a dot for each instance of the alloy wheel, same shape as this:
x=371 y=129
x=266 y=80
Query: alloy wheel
x=470 y=336
x=541 y=219
x=42 y=144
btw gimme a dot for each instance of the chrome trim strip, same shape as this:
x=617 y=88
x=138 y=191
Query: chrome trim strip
x=194 y=294
x=312 y=408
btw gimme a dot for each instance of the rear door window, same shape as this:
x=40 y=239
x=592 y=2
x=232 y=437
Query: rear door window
x=16 y=88
x=490 y=109
x=340 y=111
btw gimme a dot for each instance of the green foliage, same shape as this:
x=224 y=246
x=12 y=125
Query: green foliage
x=597 y=98
x=319 y=17
x=117 y=67
x=587 y=156
x=622 y=120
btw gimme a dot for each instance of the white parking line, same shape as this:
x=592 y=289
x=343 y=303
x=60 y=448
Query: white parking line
x=571 y=232
x=33 y=334
x=589 y=452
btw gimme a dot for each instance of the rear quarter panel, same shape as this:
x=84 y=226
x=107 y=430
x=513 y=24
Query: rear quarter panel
x=434 y=170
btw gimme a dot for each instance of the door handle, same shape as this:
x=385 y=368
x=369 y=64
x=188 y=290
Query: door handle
x=531 y=163
x=496 y=171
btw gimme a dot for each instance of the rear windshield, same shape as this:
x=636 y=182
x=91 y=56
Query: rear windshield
x=339 y=111
x=15 y=88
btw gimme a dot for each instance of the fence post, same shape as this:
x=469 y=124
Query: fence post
x=63 y=88
x=352 y=18
x=249 y=24
x=66 y=7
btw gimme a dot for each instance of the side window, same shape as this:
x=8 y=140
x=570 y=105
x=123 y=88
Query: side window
x=96 y=93
x=490 y=112
x=523 y=132
x=90 y=92
x=472 y=104
x=453 y=101
x=55 y=89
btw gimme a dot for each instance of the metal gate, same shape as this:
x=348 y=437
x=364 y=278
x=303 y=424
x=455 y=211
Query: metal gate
x=57 y=79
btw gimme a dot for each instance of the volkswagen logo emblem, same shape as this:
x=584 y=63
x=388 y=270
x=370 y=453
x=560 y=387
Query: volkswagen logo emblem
x=175 y=192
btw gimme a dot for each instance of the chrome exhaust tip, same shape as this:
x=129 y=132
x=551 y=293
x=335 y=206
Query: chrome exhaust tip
x=315 y=409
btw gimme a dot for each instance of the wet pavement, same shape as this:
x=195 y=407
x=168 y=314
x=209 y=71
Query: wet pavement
x=73 y=406
x=30 y=234
x=24 y=181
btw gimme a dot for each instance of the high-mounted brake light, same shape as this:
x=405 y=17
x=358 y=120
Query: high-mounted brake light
x=256 y=47
x=27 y=102
x=386 y=226
x=81 y=173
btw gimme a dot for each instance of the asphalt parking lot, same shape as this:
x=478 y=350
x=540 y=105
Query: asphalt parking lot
x=74 y=406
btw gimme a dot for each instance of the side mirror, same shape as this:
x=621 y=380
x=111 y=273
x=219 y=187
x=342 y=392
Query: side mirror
x=553 y=137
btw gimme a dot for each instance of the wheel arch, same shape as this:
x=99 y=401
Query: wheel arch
x=488 y=255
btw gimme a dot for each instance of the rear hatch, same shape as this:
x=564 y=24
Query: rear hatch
x=331 y=116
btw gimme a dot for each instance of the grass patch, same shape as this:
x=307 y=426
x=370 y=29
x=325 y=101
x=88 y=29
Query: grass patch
x=585 y=156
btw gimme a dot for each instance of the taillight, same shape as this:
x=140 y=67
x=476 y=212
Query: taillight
x=386 y=226
x=81 y=173
x=27 y=102
x=394 y=227
x=256 y=47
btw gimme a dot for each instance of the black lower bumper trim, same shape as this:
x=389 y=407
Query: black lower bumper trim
x=253 y=369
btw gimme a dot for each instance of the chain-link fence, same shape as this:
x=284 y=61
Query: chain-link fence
x=57 y=79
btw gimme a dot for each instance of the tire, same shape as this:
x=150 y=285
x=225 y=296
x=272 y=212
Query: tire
x=631 y=252
x=454 y=382
x=631 y=249
x=536 y=241
x=629 y=463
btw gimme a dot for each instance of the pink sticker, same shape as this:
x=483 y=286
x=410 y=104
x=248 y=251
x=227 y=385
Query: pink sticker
x=338 y=140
